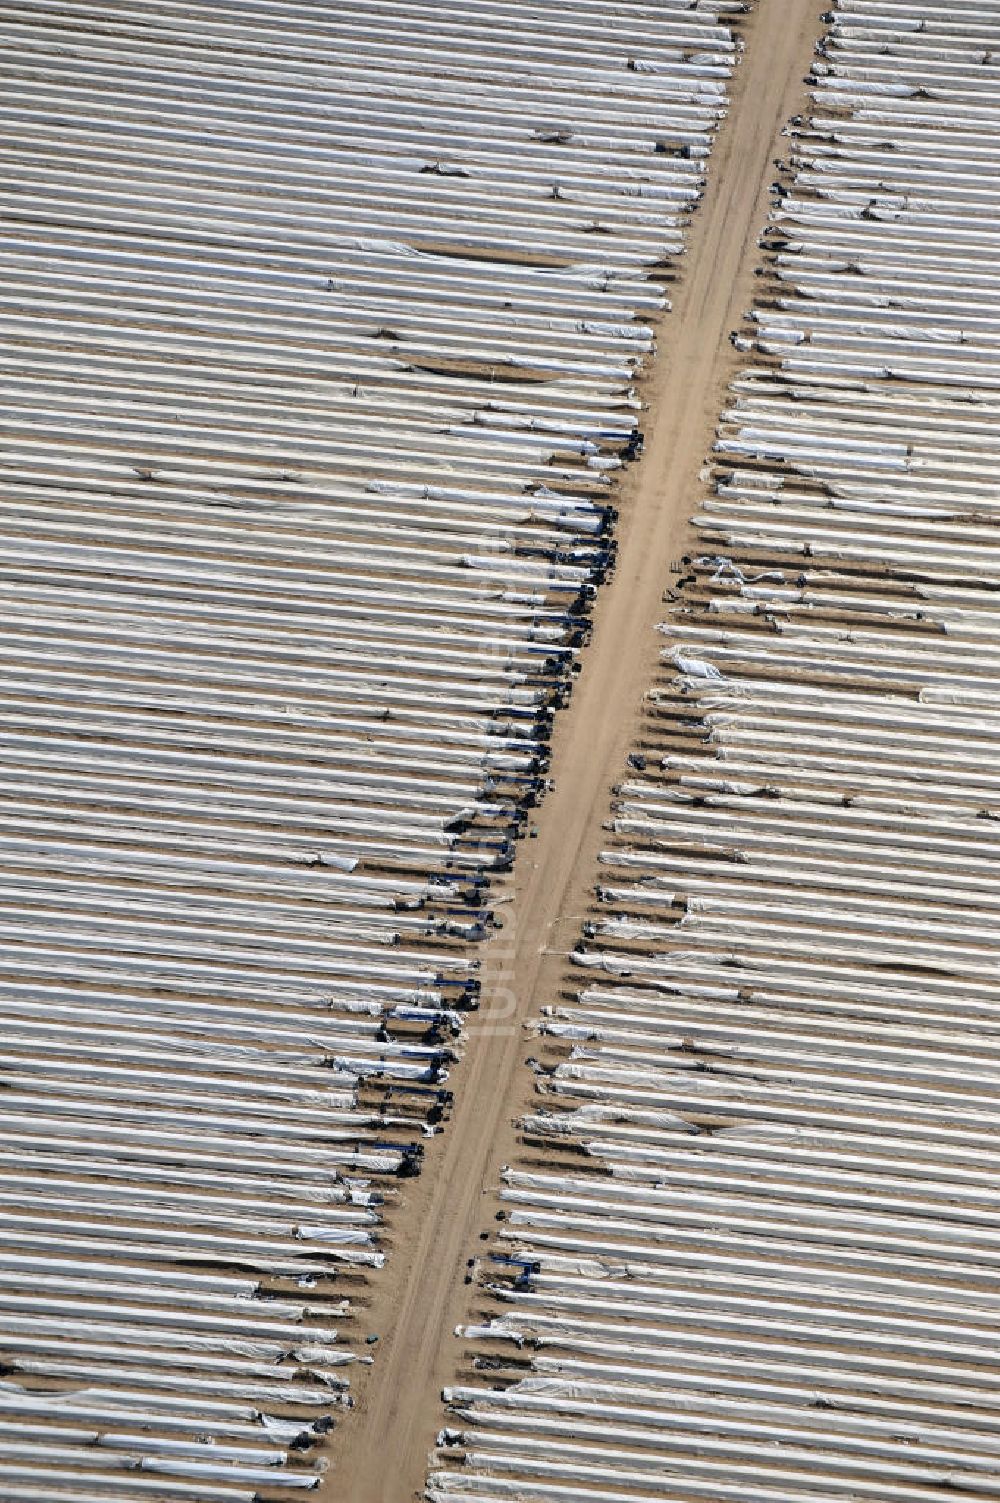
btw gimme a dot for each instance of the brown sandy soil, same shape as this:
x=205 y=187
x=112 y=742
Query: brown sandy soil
x=379 y=1455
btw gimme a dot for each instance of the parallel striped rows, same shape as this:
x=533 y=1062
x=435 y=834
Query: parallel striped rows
x=319 y=328
x=752 y=1234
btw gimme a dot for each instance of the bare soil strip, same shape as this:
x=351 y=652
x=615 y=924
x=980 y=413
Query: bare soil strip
x=380 y=1454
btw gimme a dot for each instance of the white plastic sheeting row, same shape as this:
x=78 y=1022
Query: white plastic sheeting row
x=751 y=1242
x=320 y=325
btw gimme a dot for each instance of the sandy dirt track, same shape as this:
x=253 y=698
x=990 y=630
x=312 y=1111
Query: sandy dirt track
x=379 y=1455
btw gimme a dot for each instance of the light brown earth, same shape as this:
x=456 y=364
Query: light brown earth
x=379 y=1454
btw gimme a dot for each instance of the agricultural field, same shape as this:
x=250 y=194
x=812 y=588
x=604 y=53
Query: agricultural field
x=500 y=687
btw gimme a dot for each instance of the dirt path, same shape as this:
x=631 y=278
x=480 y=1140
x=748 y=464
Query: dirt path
x=380 y=1454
